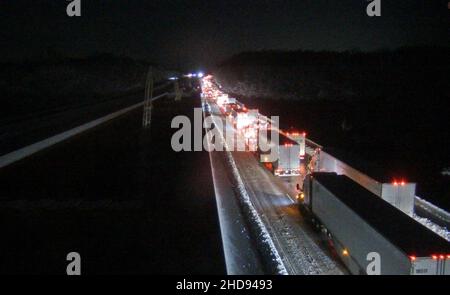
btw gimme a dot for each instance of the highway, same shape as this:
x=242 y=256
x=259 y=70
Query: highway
x=117 y=194
x=121 y=196
x=302 y=251
x=281 y=233
x=24 y=130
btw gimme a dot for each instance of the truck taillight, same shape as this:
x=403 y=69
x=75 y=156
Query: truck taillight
x=413 y=258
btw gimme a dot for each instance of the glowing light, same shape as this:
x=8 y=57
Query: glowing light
x=413 y=258
x=302 y=196
x=345 y=252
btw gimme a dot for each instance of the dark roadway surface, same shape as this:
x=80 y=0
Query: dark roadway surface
x=27 y=129
x=119 y=196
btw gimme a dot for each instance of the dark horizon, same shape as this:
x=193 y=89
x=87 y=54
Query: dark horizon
x=200 y=34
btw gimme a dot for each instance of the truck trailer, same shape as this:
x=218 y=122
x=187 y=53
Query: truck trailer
x=361 y=226
x=287 y=151
x=399 y=193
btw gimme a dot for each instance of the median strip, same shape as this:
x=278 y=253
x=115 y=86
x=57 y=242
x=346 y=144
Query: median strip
x=27 y=151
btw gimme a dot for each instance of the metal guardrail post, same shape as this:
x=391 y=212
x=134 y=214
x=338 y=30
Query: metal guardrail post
x=148 y=105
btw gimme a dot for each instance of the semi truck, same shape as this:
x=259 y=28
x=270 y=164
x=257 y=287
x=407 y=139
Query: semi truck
x=287 y=155
x=362 y=228
x=399 y=193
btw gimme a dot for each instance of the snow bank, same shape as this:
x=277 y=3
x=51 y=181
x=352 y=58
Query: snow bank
x=446 y=171
x=255 y=219
x=442 y=231
x=265 y=241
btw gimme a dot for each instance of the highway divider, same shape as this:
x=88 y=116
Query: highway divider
x=29 y=150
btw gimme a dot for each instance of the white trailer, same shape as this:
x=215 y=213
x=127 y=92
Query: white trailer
x=362 y=227
x=300 y=138
x=287 y=160
x=398 y=193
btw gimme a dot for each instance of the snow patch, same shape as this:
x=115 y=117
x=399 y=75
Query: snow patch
x=441 y=231
x=446 y=171
x=265 y=236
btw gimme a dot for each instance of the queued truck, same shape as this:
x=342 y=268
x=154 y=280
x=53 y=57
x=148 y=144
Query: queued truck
x=362 y=227
x=399 y=193
x=287 y=155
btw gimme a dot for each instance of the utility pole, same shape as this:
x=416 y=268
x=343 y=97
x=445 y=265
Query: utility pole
x=178 y=93
x=148 y=96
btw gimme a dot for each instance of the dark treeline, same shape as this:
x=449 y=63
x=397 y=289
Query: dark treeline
x=390 y=106
x=56 y=80
x=325 y=75
x=403 y=55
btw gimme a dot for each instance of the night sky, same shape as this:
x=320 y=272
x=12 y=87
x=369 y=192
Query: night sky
x=202 y=33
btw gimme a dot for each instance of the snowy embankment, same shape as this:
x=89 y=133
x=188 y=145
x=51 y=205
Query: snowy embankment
x=436 y=211
x=263 y=233
x=442 y=231
x=264 y=241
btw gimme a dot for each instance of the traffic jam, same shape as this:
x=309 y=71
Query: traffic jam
x=343 y=204
x=255 y=128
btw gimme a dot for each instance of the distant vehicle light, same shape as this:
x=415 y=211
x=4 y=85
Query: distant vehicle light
x=434 y=257
x=441 y=257
x=413 y=258
x=200 y=74
x=302 y=196
x=345 y=252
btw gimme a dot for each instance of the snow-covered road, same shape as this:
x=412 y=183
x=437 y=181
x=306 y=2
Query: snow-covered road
x=297 y=246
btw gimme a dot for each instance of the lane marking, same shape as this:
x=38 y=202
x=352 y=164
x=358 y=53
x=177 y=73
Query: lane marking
x=29 y=150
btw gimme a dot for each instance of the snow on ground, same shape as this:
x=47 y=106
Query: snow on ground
x=446 y=171
x=265 y=236
x=435 y=210
x=442 y=231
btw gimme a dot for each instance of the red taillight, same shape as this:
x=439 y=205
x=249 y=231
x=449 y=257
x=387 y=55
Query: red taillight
x=441 y=257
x=395 y=183
x=402 y=183
x=412 y=258
x=434 y=257
x=448 y=256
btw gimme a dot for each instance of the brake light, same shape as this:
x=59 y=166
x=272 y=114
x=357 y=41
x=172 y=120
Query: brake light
x=413 y=258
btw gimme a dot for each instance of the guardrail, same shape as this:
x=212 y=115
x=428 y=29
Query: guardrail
x=29 y=150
